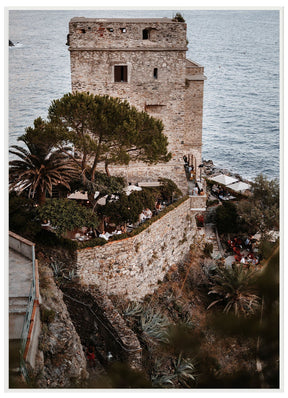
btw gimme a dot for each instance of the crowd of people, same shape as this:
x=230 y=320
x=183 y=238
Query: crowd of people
x=221 y=193
x=110 y=230
x=244 y=250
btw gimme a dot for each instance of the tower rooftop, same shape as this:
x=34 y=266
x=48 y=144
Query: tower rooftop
x=126 y=20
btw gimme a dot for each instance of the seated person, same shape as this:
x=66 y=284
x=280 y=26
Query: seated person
x=142 y=217
x=117 y=231
x=148 y=213
x=123 y=229
x=105 y=235
x=195 y=191
x=158 y=205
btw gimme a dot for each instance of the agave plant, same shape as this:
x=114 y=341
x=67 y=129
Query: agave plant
x=155 y=325
x=133 y=309
x=163 y=381
x=58 y=269
x=162 y=377
x=184 y=371
x=235 y=287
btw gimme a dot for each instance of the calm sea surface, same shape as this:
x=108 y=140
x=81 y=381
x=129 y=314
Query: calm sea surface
x=238 y=49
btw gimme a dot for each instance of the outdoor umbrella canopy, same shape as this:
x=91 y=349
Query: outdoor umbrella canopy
x=78 y=195
x=224 y=179
x=131 y=188
x=239 y=186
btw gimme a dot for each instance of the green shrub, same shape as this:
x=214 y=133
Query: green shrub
x=226 y=218
x=47 y=315
x=208 y=249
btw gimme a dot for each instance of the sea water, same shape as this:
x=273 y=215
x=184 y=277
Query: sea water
x=239 y=50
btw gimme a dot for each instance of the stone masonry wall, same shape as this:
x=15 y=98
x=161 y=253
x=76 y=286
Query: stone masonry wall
x=134 y=266
x=98 y=45
x=126 y=32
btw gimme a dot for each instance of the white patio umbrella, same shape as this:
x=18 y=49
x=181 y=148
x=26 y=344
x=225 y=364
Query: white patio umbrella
x=239 y=186
x=224 y=179
x=131 y=188
x=78 y=195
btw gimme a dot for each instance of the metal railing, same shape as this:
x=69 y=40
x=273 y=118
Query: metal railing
x=27 y=248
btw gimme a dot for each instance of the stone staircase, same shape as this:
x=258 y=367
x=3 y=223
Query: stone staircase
x=211 y=237
x=17 y=311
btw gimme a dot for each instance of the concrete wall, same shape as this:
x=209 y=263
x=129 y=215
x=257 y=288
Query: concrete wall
x=19 y=311
x=22 y=245
x=134 y=266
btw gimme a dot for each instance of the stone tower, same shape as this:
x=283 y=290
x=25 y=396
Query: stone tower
x=144 y=61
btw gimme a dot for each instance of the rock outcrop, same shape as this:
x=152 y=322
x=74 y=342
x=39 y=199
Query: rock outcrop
x=61 y=360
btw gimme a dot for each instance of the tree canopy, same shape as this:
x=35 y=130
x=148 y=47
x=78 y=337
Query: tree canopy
x=66 y=215
x=261 y=211
x=109 y=130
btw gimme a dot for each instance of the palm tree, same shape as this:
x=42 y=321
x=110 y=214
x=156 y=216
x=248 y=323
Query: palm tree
x=38 y=169
x=235 y=288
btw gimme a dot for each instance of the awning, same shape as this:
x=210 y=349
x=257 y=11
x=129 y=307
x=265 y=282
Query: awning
x=224 y=179
x=239 y=186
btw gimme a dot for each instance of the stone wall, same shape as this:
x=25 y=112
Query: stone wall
x=118 y=338
x=126 y=32
x=175 y=95
x=61 y=361
x=135 y=265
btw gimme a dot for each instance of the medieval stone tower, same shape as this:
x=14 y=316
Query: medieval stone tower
x=144 y=61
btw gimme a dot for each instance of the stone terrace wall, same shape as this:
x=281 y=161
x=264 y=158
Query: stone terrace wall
x=133 y=266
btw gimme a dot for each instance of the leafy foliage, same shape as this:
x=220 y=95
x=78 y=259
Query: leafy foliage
x=178 y=17
x=184 y=371
x=133 y=309
x=106 y=185
x=262 y=327
x=261 y=211
x=40 y=167
x=226 y=218
x=23 y=216
x=106 y=129
x=66 y=215
x=155 y=325
x=124 y=209
x=235 y=287
x=169 y=189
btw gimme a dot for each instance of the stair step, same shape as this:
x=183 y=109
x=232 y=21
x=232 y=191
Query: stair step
x=18 y=304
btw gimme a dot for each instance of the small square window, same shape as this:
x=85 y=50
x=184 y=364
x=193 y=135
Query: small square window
x=120 y=73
